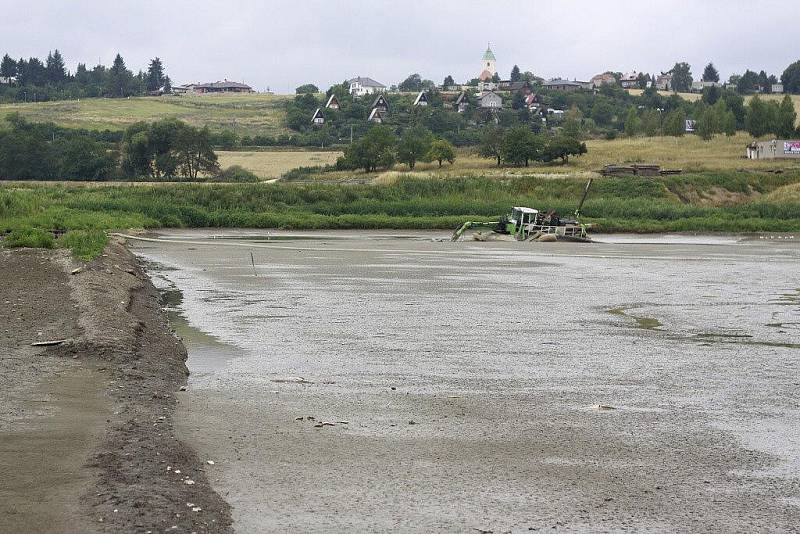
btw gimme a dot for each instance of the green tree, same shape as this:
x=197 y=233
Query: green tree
x=520 y=146
x=518 y=100
x=602 y=112
x=155 y=75
x=650 y=123
x=8 y=67
x=515 y=74
x=747 y=83
x=495 y=78
x=414 y=146
x=56 y=71
x=562 y=147
x=492 y=143
x=706 y=124
x=119 y=80
x=710 y=74
x=675 y=123
x=711 y=95
x=632 y=122
x=307 y=88
x=374 y=150
x=448 y=81
x=411 y=84
x=440 y=151
x=785 y=119
x=193 y=152
x=682 y=77
x=759 y=120
x=791 y=78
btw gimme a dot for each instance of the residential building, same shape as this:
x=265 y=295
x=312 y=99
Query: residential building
x=630 y=80
x=558 y=84
x=697 y=87
x=381 y=104
x=532 y=102
x=664 y=81
x=605 y=78
x=361 y=86
x=513 y=87
x=488 y=65
x=490 y=99
x=462 y=102
x=333 y=102
x=376 y=116
x=221 y=87
x=10 y=80
x=777 y=88
x=422 y=99
x=318 y=119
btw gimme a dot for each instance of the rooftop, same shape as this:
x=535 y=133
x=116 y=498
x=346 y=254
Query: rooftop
x=366 y=82
x=489 y=55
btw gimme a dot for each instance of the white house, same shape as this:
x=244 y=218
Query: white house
x=777 y=88
x=361 y=86
x=421 y=100
x=318 y=119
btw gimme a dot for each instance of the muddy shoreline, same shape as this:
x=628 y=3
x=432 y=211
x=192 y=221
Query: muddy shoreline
x=87 y=442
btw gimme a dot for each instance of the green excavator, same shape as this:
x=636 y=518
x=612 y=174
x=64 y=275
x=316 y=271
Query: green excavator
x=528 y=224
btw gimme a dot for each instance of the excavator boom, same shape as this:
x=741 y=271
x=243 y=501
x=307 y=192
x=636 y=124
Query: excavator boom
x=471 y=224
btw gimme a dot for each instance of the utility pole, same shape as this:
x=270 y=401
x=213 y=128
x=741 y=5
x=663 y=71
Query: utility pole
x=351 y=134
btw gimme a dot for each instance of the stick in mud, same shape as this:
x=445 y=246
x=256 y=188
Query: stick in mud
x=253 y=263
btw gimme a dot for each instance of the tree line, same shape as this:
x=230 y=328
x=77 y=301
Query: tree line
x=165 y=149
x=33 y=79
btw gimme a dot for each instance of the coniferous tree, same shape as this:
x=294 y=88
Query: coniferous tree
x=448 y=81
x=56 y=72
x=8 y=67
x=710 y=74
x=155 y=75
x=119 y=79
x=515 y=74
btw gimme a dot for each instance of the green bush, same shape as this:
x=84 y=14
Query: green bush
x=84 y=244
x=235 y=174
x=29 y=238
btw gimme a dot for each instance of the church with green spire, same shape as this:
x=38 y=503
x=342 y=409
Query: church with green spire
x=488 y=65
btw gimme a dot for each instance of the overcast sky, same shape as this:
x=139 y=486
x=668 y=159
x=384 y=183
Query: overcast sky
x=282 y=44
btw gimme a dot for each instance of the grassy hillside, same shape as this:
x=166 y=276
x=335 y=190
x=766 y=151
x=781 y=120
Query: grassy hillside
x=246 y=114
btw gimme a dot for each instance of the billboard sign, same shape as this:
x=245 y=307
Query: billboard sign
x=791 y=148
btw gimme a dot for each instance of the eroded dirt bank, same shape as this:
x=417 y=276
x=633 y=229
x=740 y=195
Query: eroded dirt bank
x=86 y=426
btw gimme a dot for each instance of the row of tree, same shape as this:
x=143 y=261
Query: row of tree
x=50 y=79
x=165 y=149
x=381 y=148
x=519 y=146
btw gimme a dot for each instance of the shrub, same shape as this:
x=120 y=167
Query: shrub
x=29 y=238
x=237 y=174
x=84 y=244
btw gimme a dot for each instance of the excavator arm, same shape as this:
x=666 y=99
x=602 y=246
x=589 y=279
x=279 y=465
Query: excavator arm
x=471 y=224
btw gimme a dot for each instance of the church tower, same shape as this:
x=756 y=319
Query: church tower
x=488 y=65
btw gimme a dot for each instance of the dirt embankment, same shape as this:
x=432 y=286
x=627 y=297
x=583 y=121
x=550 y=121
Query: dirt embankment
x=86 y=426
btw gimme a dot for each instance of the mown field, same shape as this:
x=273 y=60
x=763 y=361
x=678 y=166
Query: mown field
x=689 y=153
x=703 y=202
x=245 y=114
x=270 y=164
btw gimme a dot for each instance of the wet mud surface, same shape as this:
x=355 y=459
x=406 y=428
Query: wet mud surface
x=86 y=424
x=363 y=383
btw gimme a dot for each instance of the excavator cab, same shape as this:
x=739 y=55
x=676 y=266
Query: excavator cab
x=520 y=218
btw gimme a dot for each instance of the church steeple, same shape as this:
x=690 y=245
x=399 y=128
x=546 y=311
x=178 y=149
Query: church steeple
x=488 y=64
